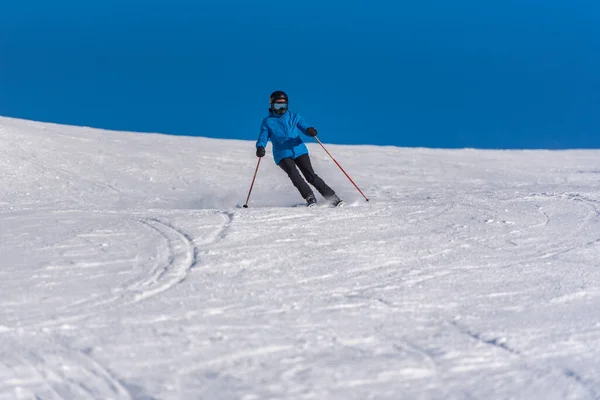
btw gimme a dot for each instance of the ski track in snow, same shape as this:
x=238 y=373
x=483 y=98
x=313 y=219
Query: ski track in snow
x=62 y=373
x=169 y=268
x=51 y=370
x=500 y=343
x=127 y=272
x=181 y=258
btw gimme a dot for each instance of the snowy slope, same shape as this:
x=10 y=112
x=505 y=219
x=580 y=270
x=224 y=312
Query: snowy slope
x=128 y=271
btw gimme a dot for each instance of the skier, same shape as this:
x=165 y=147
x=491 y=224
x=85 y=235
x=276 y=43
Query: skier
x=282 y=127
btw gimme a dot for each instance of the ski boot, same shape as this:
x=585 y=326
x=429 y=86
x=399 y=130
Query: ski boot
x=335 y=201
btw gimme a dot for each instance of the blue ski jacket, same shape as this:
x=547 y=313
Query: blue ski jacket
x=284 y=133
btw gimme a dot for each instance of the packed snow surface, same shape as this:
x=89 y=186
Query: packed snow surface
x=128 y=270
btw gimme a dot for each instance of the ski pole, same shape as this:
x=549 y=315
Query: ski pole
x=338 y=164
x=250 y=191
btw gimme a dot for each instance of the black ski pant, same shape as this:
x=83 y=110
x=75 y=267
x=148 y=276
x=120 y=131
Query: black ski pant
x=303 y=163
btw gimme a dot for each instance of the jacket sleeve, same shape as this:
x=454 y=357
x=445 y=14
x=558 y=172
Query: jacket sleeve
x=263 y=136
x=301 y=124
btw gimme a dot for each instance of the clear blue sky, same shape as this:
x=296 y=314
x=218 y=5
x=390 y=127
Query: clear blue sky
x=446 y=73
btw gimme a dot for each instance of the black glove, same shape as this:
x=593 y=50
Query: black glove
x=260 y=151
x=312 y=132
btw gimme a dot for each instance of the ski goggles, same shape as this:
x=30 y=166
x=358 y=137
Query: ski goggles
x=280 y=106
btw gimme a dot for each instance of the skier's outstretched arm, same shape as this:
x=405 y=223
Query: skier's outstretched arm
x=263 y=136
x=302 y=125
x=305 y=128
